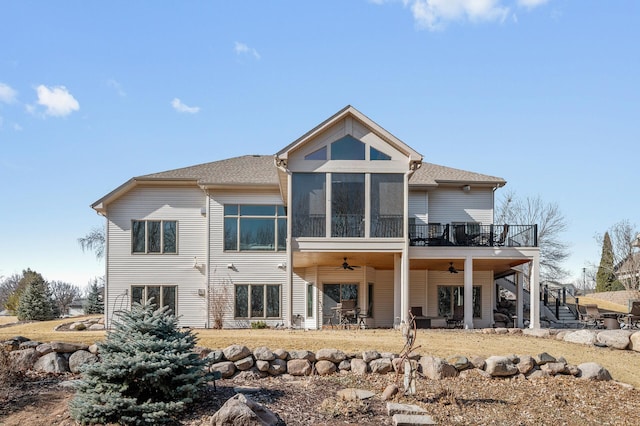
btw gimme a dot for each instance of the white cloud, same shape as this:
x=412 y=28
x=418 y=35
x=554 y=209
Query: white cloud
x=243 y=49
x=530 y=4
x=7 y=94
x=58 y=101
x=117 y=87
x=435 y=15
x=17 y=127
x=180 y=107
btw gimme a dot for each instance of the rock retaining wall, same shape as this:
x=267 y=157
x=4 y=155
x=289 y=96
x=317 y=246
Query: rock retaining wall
x=234 y=360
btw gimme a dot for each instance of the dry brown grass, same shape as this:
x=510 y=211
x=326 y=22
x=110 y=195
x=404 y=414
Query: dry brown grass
x=7 y=320
x=603 y=304
x=441 y=343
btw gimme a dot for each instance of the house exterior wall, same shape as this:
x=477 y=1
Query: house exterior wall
x=250 y=267
x=418 y=207
x=207 y=289
x=448 y=205
x=125 y=269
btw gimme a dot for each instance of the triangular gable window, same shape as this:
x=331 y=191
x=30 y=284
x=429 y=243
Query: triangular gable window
x=374 y=154
x=320 y=154
x=347 y=148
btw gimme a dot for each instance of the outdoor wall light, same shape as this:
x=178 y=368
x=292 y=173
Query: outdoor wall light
x=282 y=266
x=231 y=266
x=466 y=188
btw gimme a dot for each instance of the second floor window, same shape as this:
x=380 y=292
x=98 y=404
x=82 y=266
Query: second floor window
x=249 y=227
x=154 y=236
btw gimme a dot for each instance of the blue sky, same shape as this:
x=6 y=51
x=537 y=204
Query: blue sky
x=545 y=94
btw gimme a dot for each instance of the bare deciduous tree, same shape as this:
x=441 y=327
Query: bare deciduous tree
x=551 y=224
x=63 y=294
x=94 y=241
x=8 y=285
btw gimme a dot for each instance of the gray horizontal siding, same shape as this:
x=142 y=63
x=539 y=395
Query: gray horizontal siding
x=125 y=269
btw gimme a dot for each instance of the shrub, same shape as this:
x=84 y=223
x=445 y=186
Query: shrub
x=148 y=372
x=258 y=324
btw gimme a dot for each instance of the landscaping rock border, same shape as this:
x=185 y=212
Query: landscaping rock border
x=234 y=360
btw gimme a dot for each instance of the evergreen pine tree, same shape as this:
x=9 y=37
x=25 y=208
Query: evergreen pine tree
x=148 y=372
x=605 y=277
x=94 y=304
x=35 y=301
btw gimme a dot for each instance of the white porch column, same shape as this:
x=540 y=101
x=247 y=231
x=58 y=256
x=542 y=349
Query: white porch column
x=520 y=299
x=397 y=290
x=534 y=288
x=404 y=276
x=468 y=292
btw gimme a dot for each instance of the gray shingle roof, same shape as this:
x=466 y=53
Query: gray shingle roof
x=432 y=174
x=245 y=170
x=260 y=170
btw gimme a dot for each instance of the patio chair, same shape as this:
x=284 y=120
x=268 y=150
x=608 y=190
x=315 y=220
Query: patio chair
x=502 y=237
x=591 y=318
x=457 y=319
x=420 y=320
x=461 y=236
x=348 y=312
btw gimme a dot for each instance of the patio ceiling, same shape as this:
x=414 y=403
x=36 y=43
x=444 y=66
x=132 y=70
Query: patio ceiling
x=385 y=260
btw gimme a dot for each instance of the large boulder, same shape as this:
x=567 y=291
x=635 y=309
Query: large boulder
x=324 y=367
x=593 y=371
x=299 y=367
x=80 y=358
x=381 y=365
x=358 y=366
x=245 y=363
x=64 y=347
x=584 y=337
x=309 y=356
x=52 y=363
x=281 y=354
x=277 y=366
x=500 y=366
x=526 y=364
x=264 y=354
x=634 y=339
x=460 y=362
x=262 y=365
x=368 y=356
x=436 y=368
x=537 y=332
x=241 y=410
x=225 y=368
x=333 y=355
x=236 y=352
x=616 y=339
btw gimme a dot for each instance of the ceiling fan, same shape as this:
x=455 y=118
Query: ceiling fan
x=345 y=265
x=452 y=268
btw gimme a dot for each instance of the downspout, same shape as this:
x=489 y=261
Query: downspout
x=207 y=257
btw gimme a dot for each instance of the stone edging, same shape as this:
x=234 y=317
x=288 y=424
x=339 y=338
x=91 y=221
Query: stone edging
x=616 y=339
